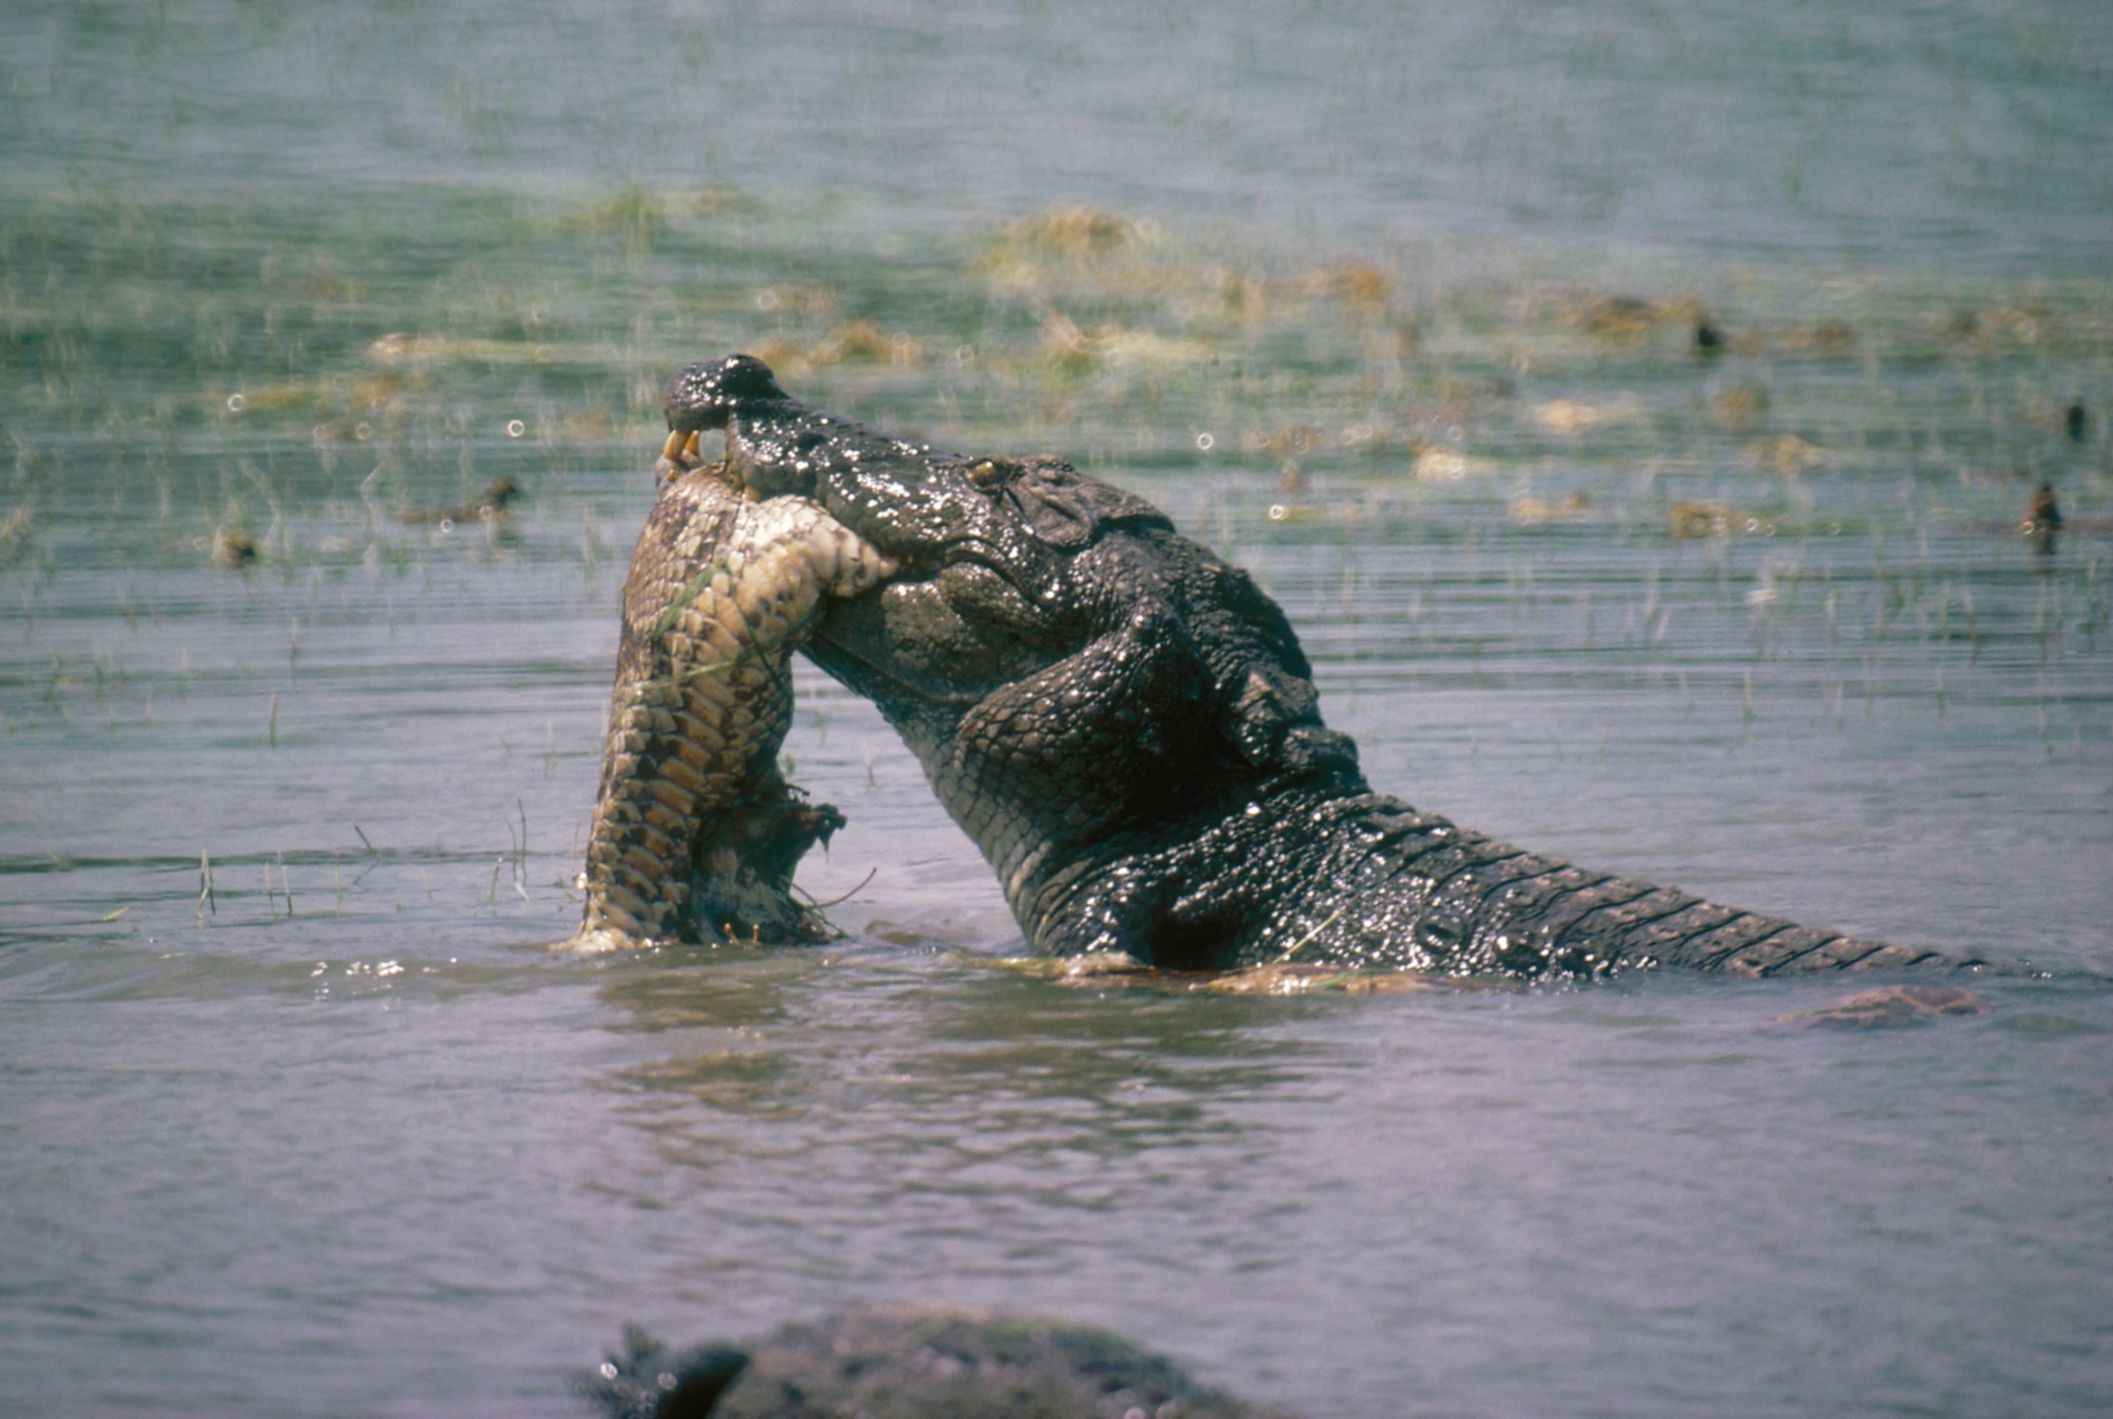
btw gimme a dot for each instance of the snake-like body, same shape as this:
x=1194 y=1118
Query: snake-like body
x=695 y=834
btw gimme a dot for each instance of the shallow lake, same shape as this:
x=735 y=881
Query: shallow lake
x=1398 y=310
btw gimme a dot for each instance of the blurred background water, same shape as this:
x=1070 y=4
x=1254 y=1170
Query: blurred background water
x=1396 y=305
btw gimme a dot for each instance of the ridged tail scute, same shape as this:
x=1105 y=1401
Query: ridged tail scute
x=1474 y=905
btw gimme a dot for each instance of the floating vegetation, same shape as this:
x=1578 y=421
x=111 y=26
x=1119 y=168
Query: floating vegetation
x=639 y=216
x=1109 y=257
x=399 y=348
x=1785 y=455
x=1359 y=285
x=1234 y=292
x=798 y=300
x=1688 y=521
x=15 y=530
x=863 y=342
x=1740 y=408
x=1625 y=319
x=1070 y=350
x=632 y=213
x=1295 y=441
x=343 y=398
x=1824 y=337
x=2025 y=325
x=1067 y=233
x=1438 y=464
x=1618 y=316
x=1569 y=507
x=1574 y=416
x=591 y=426
x=857 y=342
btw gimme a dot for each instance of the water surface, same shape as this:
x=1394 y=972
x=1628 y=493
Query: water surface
x=338 y=1136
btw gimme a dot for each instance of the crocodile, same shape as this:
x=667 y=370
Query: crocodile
x=1126 y=727
x=695 y=833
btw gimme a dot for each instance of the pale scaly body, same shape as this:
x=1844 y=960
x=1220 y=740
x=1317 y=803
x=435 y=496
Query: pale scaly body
x=695 y=833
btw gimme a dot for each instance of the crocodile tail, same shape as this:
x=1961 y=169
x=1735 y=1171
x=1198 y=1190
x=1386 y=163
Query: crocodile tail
x=1473 y=904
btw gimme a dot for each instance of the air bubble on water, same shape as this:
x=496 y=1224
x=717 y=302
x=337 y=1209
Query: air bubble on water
x=515 y=428
x=1278 y=512
x=1205 y=442
x=235 y=403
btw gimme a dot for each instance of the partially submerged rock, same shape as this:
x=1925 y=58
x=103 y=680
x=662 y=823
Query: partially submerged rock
x=908 y=1363
x=1891 y=1006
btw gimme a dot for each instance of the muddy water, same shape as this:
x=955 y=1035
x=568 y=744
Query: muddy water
x=299 y=1118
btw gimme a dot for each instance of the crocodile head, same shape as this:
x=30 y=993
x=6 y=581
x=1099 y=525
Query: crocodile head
x=705 y=395
x=915 y=502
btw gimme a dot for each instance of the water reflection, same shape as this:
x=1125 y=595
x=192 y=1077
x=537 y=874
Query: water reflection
x=934 y=1127
x=952 y=1063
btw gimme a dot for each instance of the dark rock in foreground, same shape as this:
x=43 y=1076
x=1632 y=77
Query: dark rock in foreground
x=897 y=1362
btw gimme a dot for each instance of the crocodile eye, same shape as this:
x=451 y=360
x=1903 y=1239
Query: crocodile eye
x=985 y=474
